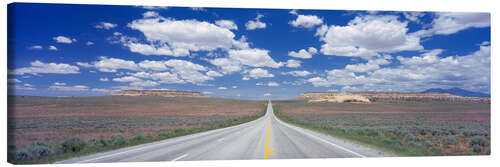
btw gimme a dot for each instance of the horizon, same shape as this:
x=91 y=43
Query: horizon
x=242 y=53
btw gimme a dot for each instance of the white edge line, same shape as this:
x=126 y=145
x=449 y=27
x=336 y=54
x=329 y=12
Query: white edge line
x=182 y=156
x=320 y=139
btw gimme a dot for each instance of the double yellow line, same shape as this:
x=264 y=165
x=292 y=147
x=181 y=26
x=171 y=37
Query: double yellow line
x=269 y=150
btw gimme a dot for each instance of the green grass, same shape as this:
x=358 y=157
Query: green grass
x=91 y=148
x=382 y=141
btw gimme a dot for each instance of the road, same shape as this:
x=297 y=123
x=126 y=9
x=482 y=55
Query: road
x=264 y=138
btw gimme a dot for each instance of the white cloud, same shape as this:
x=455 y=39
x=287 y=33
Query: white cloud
x=161 y=77
x=104 y=79
x=69 y=88
x=298 y=73
x=89 y=43
x=227 y=24
x=293 y=63
x=150 y=14
x=255 y=24
x=260 y=73
x=105 y=25
x=142 y=83
x=214 y=74
x=23 y=87
x=227 y=65
x=414 y=16
x=304 y=54
x=306 y=21
x=38 y=67
x=273 y=84
x=259 y=83
x=127 y=79
x=268 y=94
x=59 y=83
x=167 y=36
x=189 y=71
x=254 y=58
x=63 y=39
x=100 y=90
x=13 y=80
x=245 y=78
x=36 y=47
x=153 y=65
x=367 y=36
x=234 y=87
x=52 y=48
x=113 y=64
x=207 y=93
x=449 y=23
x=222 y=88
x=418 y=73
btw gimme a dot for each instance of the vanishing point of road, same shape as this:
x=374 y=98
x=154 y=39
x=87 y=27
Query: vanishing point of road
x=264 y=138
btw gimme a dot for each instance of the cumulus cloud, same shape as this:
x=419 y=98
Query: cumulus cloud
x=268 y=94
x=227 y=65
x=256 y=23
x=36 y=47
x=106 y=64
x=105 y=25
x=306 y=21
x=447 y=23
x=214 y=74
x=150 y=14
x=367 y=36
x=227 y=24
x=167 y=36
x=303 y=54
x=38 y=67
x=260 y=73
x=293 y=63
x=63 y=39
x=273 y=84
x=126 y=79
x=222 y=88
x=189 y=71
x=418 y=73
x=21 y=87
x=298 y=73
x=89 y=43
x=52 y=48
x=13 y=80
x=104 y=79
x=254 y=58
x=69 y=88
x=153 y=65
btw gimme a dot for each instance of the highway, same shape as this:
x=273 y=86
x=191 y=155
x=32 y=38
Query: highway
x=264 y=138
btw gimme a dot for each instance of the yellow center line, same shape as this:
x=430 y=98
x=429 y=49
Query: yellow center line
x=269 y=150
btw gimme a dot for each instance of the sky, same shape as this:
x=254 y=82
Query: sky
x=94 y=50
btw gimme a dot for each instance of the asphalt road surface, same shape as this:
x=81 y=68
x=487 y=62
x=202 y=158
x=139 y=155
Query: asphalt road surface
x=264 y=138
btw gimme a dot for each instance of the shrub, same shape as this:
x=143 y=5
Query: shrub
x=101 y=142
x=38 y=151
x=20 y=155
x=137 y=138
x=411 y=138
x=428 y=143
x=118 y=140
x=436 y=151
x=477 y=148
x=72 y=145
x=477 y=140
x=450 y=139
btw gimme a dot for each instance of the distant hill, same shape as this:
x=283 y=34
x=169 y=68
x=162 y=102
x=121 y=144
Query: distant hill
x=458 y=92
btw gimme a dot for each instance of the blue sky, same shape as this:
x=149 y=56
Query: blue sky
x=92 y=50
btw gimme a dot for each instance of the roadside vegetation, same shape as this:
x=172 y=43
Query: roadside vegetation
x=416 y=129
x=45 y=130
